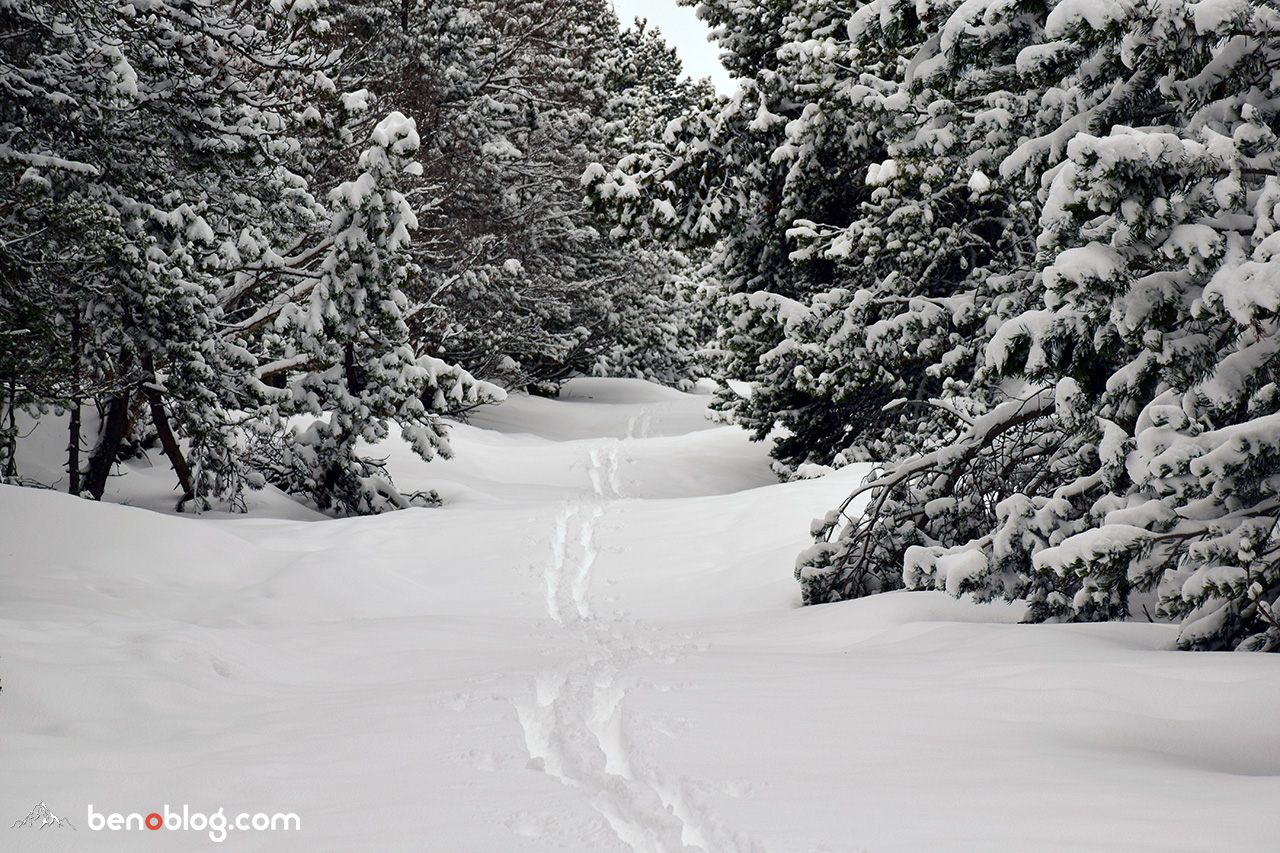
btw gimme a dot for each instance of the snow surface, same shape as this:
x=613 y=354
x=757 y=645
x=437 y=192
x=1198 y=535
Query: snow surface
x=595 y=645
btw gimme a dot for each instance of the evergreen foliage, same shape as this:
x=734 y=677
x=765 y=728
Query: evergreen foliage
x=144 y=144
x=1157 y=167
x=1019 y=254
x=517 y=284
x=225 y=231
x=362 y=373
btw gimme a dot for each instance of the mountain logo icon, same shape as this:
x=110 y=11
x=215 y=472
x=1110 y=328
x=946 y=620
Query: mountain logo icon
x=41 y=817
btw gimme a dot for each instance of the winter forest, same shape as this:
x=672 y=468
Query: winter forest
x=1020 y=256
x=989 y=287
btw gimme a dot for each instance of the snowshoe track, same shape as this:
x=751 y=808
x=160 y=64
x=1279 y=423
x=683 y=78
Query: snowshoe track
x=576 y=726
x=603 y=471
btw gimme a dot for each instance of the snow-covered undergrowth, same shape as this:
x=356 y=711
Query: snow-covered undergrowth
x=593 y=645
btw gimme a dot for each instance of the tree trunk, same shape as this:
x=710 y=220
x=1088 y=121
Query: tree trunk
x=169 y=442
x=135 y=412
x=73 y=449
x=104 y=452
x=151 y=390
x=73 y=440
x=355 y=384
x=9 y=444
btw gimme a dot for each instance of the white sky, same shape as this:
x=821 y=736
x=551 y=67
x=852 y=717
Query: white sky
x=680 y=28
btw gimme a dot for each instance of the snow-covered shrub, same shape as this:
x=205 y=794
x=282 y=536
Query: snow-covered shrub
x=929 y=520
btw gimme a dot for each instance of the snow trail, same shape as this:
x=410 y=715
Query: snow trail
x=599 y=664
x=576 y=727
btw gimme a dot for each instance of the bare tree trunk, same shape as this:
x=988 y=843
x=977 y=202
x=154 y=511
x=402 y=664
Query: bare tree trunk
x=10 y=444
x=73 y=440
x=169 y=442
x=135 y=411
x=104 y=452
x=73 y=449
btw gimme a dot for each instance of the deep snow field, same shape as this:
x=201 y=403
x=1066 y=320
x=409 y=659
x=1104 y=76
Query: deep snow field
x=594 y=645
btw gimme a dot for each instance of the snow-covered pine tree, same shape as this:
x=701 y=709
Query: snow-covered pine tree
x=517 y=283
x=857 y=235
x=156 y=191
x=1156 y=144
x=647 y=87
x=932 y=248
x=362 y=372
x=934 y=261
x=711 y=183
x=991 y=64
x=137 y=154
x=1156 y=323
x=660 y=326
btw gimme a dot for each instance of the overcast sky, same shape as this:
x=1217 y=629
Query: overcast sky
x=682 y=29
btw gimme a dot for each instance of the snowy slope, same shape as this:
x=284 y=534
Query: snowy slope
x=595 y=646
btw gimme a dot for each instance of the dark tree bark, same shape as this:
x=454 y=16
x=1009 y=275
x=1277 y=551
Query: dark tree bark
x=355 y=382
x=169 y=442
x=10 y=444
x=104 y=452
x=73 y=449
x=73 y=440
